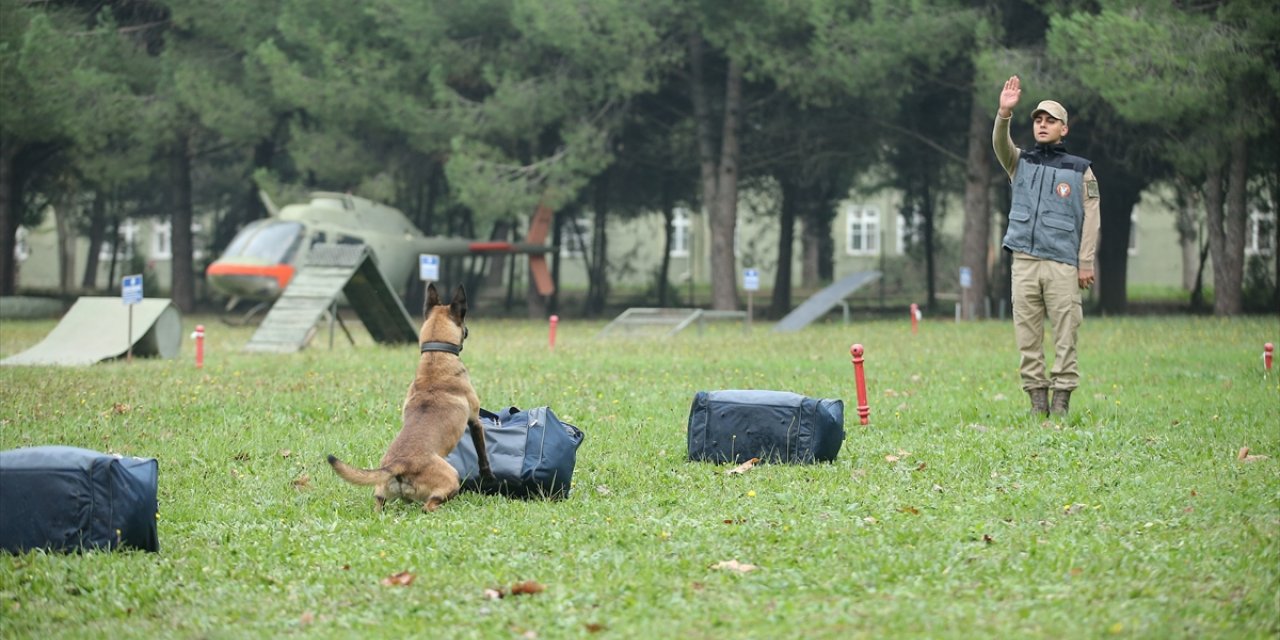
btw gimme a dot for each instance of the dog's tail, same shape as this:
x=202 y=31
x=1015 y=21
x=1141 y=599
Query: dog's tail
x=356 y=475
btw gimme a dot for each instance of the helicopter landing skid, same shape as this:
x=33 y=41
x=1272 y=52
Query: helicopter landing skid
x=245 y=319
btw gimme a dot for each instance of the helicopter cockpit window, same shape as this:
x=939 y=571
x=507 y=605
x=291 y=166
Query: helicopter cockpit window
x=269 y=240
x=328 y=203
x=345 y=239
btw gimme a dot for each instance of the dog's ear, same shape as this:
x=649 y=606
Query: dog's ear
x=433 y=299
x=458 y=306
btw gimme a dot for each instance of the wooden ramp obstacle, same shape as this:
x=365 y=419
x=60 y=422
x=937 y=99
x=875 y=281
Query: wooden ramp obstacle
x=331 y=270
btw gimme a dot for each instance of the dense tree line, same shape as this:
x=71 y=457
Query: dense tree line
x=464 y=114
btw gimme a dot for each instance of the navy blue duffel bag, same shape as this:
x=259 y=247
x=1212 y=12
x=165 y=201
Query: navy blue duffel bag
x=67 y=498
x=774 y=426
x=532 y=454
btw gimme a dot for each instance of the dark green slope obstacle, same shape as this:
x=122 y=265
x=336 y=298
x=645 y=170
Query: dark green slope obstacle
x=97 y=329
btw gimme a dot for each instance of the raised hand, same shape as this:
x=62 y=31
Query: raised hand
x=1009 y=96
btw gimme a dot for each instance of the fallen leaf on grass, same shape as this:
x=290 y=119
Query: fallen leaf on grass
x=743 y=468
x=302 y=482
x=910 y=509
x=120 y=408
x=902 y=455
x=921 y=466
x=1073 y=508
x=1245 y=456
x=594 y=627
x=402 y=579
x=528 y=587
x=307 y=618
x=285 y=453
x=988 y=539
x=734 y=565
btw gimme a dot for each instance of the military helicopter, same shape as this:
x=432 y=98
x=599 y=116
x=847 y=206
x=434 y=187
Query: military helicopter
x=263 y=257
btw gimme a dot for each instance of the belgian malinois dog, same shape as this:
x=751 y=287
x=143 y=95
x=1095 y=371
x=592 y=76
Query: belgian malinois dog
x=440 y=404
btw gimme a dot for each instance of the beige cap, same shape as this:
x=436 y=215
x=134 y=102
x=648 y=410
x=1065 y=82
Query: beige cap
x=1052 y=108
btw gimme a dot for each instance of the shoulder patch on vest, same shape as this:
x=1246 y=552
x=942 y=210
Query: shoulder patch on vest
x=1091 y=189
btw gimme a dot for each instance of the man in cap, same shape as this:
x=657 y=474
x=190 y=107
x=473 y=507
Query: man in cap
x=1053 y=235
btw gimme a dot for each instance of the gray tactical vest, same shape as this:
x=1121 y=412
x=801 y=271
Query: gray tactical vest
x=1047 y=215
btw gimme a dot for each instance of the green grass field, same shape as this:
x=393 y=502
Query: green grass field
x=952 y=514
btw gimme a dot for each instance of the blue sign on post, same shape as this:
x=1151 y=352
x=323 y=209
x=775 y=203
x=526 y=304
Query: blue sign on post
x=428 y=267
x=131 y=289
x=966 y=278
x=750 y=279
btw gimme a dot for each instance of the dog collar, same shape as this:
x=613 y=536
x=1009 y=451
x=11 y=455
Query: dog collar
x=447 y=347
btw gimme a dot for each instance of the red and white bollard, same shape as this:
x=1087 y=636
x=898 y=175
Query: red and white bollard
x=1267 y=350
x=915 y=317
x=864 y=410
x=198 y=336
x=551 y=336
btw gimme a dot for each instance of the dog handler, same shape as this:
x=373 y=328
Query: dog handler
x=1053 y=235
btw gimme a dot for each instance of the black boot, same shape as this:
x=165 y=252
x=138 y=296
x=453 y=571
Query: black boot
x=1039 y=401
x=1061 y=402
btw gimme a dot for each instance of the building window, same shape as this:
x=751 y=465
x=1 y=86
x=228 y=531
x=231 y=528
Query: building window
x=680 y=226
x=128 y=234
x=862 y=230
x=161 y=240
x=1133 y=234
x=575 y=239
x=1260 y=235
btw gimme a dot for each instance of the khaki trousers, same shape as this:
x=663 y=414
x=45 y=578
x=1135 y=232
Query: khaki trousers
x=1044 y=288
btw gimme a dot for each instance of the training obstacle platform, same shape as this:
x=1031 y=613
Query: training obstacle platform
x=823 y=301
x=331 y=270
x=96 y=329
x=665 y=321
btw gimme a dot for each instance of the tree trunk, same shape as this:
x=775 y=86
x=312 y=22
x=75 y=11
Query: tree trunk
x=557 y=240
x=724 y=217
x=1119 y=197
x=668 y=231
x=930 y=260
x=719 y=175
x=811 y=252
x=975 y=241
x=97 y=233
x=781 y=302
x=1275 y=244
x=1228 y=272
x=599 y=265
x=181 y=243
x=1213 y=214
x=9 y=219
x=702 y=116
x=64 y=223
x=1186 y=200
